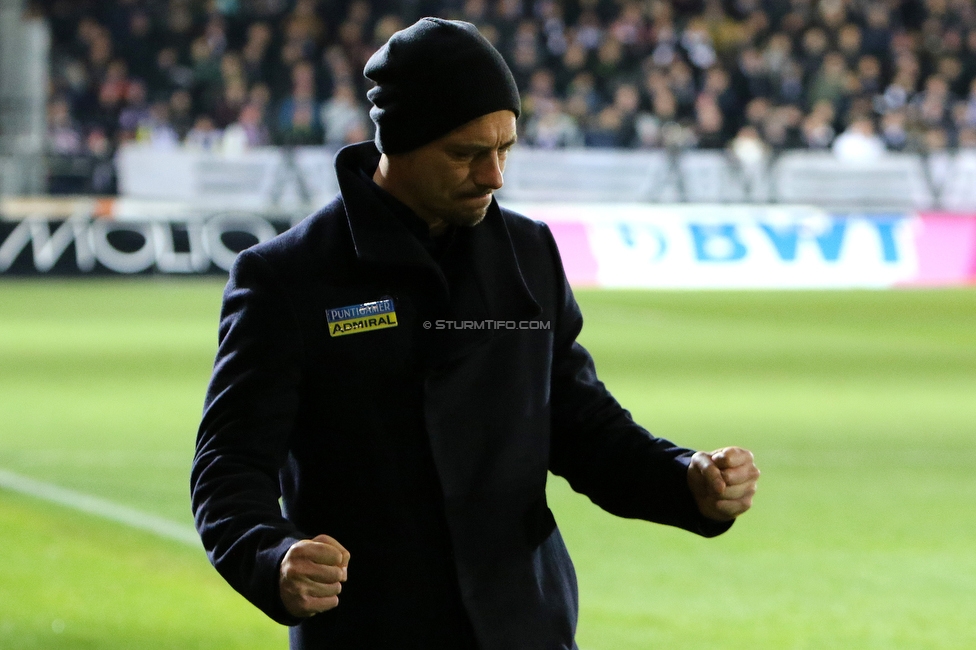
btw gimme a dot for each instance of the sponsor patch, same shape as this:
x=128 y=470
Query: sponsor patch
x=368 y=316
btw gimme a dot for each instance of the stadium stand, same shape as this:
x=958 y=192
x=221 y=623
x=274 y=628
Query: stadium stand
x=748 y=76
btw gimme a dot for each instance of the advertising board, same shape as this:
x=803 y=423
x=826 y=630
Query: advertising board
x=609 y=245
x=123 y=236
x=720 y=246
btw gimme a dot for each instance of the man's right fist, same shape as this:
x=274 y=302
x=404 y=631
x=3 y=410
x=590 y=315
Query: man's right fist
x=311 y=575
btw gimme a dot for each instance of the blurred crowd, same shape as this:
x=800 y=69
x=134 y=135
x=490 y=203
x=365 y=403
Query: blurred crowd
x=750 y=76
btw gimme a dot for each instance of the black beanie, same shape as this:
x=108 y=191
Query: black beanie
x=433 y=77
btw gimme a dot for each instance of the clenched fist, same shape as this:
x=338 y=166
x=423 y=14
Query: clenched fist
x=723 y=482
x=311 y=575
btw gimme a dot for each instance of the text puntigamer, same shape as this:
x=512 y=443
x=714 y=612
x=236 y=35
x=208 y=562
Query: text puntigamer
x=358 y=311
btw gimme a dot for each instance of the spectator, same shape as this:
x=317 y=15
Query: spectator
x=140 y=43
x=552 y=128
x=385 y=27
x=876 y=37
x=898 y=93
x=759 y=62
x=99 y=53
x=729 y=35
x=541 y=88
x=812 y=51
x=99 y=148
x=676 y=136
x=717 y=85
x=931 y=107
x=757 y=114
x=105 y=114
x=709 y=124
x=604 y=129
x=352 y=39
x=833 y=15
x=858 y=144
x=789 y=88
x=970 y=104
x=289 y=55
x=611 y=63
x=648 y=127
x=752 y=80
x=343 y=118
x=935 y=141
x=298 y=114
x=260 y=95
x=777 y=54
x=215 y=35
x=248 y=132
x=784 y=128
x=155 y=130
x=525 y=57
x=869 y=75
x=681 y=82
x=72 y=84
x=967 y=139
x=589 y=30
x=748 y=149
x=232 y=69
x=181 y=112
x=230 y=103
x=179 y=26
x=135 y=112
x=169 y=75
x=626 y=99
x=66 y=168
x=583 y=92
x=301 y=128
x=255 y=60
x=849 y=44
x=652 y=125
x=339 y=69
x=968 y=56
x=665 y=51
x=817 y=128
x=204 y=136
x=63 y=135
x=630 y=28
x=830 y=82
x=207 y=76
x=303 y=28
x=893 y=130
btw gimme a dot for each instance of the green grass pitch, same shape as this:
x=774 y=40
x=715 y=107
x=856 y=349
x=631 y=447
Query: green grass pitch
x=860 y=407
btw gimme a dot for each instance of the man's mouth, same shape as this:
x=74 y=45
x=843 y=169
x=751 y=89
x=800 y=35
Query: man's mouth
x=473 y=197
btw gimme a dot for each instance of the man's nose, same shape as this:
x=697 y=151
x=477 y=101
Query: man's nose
x=488 y=172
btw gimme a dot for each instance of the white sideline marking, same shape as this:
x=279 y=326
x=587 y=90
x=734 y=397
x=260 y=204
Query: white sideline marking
x=99 y=507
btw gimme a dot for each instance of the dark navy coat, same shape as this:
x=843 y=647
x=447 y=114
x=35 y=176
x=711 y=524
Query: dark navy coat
x=425 y=452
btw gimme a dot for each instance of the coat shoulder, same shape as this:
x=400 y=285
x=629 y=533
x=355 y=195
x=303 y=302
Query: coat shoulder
x=538 y=256
x=316 y=238
x=525 y=231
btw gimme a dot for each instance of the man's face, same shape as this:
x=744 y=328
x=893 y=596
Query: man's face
x=450 y=181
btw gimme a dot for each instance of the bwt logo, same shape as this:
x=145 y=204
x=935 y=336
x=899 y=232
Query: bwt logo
x=177 y=246
x=726 y=242
x=721 y=243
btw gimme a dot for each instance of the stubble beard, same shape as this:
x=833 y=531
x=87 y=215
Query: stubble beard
x=466 y=217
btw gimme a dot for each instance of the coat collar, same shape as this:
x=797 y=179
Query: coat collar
x=380 y=238
x=377 y=235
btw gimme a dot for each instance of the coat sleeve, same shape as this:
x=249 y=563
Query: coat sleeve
x=598 y=447
x=249 y=413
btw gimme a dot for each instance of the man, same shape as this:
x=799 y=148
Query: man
x=410 y=452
